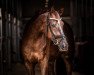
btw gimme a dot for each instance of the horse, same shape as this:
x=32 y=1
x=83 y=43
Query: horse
x=43 y=41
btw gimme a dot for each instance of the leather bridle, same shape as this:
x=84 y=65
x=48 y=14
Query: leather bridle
x=54 y=39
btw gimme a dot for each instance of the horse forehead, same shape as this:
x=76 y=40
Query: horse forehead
x=55 y=15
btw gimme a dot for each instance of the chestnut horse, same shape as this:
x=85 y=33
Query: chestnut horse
x=43 y=42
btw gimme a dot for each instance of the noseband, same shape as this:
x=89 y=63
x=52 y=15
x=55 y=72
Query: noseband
x=62 y=38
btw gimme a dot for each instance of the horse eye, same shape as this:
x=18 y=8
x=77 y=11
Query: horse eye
x=53 y=25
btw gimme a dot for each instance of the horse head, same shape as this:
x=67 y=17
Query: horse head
x=55 y=30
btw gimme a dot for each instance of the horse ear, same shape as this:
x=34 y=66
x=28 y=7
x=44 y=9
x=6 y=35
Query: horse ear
x=52 y=9
x=61 y=11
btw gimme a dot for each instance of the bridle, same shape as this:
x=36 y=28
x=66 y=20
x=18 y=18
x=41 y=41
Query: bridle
x=62 y=38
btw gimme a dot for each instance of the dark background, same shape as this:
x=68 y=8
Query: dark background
x=14 y=14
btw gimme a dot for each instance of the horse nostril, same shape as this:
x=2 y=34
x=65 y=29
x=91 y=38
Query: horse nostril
x=62 y=46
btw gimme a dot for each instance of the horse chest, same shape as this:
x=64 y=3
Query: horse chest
x=33 y=55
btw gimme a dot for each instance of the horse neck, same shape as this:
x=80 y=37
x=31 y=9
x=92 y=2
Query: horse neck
x=39 y=23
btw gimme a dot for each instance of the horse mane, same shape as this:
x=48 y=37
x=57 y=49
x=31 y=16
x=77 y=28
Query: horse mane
x=35 y=25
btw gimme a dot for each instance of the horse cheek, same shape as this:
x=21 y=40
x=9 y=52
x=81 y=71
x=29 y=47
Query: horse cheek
x=49 y=35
